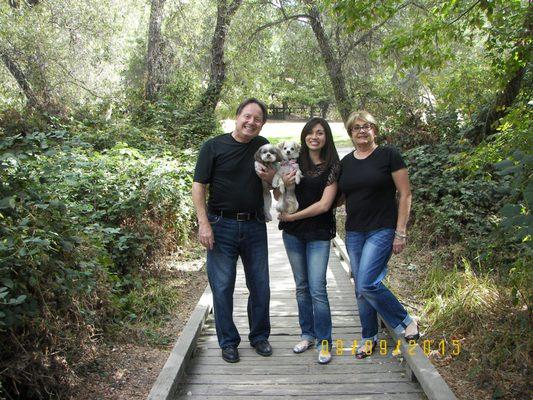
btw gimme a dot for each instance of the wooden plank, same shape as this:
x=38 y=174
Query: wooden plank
x=291 y=312
x=292 y=320
x=379 y=396
x=283 y=351
x=282 y=379
x=275 y=361
x=295 y=369
x=300 y=390
x=338 y=332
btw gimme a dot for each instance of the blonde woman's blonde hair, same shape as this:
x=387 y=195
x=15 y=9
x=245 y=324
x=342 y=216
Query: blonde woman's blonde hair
x=363 y=115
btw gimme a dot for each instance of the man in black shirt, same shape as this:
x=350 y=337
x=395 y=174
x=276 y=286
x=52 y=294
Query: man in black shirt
x=232 y=224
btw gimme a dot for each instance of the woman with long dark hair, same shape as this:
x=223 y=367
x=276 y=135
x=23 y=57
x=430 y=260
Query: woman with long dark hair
x=307 y=234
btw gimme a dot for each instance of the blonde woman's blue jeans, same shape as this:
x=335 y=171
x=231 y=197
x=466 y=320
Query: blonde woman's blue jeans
x=369 y=253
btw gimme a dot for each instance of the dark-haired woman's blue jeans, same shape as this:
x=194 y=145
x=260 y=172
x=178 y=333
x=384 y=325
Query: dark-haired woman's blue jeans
x=369 y=253
x=309 y=263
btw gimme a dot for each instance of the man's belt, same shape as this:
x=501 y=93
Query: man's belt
x=239 y=216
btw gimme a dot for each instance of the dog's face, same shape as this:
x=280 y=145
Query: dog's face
x=290 y=150
x=268 y=154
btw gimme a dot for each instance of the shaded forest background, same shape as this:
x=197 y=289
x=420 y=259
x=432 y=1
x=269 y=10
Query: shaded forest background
x=104 y=103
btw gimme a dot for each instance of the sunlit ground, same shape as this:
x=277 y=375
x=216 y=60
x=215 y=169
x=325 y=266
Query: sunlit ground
x=276 y=131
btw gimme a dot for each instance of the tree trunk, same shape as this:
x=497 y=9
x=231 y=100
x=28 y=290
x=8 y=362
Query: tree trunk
x=22 y=80
x=154 y=55
x=333 y=65
x=217 y=73
x=485 y=124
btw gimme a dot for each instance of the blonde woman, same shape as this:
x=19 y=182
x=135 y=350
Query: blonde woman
x=375 y=226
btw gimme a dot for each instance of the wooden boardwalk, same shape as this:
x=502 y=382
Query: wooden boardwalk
x=286 y=375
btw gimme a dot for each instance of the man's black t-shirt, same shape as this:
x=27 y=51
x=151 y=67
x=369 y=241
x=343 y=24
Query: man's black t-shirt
x=228 y=167
x=370 y=190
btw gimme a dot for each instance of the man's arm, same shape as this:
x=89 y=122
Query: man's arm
x=205 y=233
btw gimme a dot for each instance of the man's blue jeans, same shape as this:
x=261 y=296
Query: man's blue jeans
x=247 y=239
x=369 y=253
x=309 y=263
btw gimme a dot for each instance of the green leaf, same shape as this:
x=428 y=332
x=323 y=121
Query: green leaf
x=503 y=164
x=528 y=194
x=18 y=300
x=8 y=202
x=8 y=283
x=510 y=210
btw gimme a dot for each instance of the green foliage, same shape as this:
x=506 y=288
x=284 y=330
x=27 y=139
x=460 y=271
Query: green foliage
x=486 y=210
x=147 y=307
x=450 y=203
x=77 y=227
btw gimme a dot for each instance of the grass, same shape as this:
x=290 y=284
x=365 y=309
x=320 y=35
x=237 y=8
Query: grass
x=459 y=302
x=146 y=310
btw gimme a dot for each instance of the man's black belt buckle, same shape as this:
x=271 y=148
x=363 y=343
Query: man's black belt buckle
x=241 y=216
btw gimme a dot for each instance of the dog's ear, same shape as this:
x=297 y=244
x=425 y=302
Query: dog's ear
x=257 y=155
x=279 y=155
x=280 y=145
x=297 y=147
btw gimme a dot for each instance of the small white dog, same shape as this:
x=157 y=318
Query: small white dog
x=266 y=156
x=290 y=151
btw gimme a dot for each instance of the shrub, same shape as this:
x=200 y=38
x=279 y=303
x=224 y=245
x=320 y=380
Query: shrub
x=78 y=225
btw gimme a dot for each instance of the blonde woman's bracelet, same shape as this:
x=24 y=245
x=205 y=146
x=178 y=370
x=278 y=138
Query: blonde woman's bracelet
x=400 y=235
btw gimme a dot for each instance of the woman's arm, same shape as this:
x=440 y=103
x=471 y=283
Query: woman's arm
x=320 y=207
x=401 y=181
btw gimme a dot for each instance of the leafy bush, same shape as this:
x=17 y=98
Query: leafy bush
x=482 y=214
x=451 y=204
x=78 y=225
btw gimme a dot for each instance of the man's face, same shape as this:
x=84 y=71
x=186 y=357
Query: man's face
x=249 y=122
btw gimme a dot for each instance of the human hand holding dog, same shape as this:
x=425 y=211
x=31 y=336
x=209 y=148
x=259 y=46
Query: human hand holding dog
x=283 y=216
x=289 y=179
x=266 y=174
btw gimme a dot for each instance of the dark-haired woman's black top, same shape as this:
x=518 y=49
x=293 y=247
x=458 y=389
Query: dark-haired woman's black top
x=309 y=191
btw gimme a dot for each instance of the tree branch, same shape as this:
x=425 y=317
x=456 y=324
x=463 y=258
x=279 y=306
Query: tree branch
x=464 y=13
x=279 y=21
x=233 y=7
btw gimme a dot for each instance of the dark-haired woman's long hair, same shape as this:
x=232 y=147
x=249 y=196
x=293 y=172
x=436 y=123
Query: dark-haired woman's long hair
x=328 y=153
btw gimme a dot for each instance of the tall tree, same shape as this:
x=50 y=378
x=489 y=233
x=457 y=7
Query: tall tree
x=154 y=55
x=484 y=125
x=217 y=73
x=20 y=77
x=333 y=64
